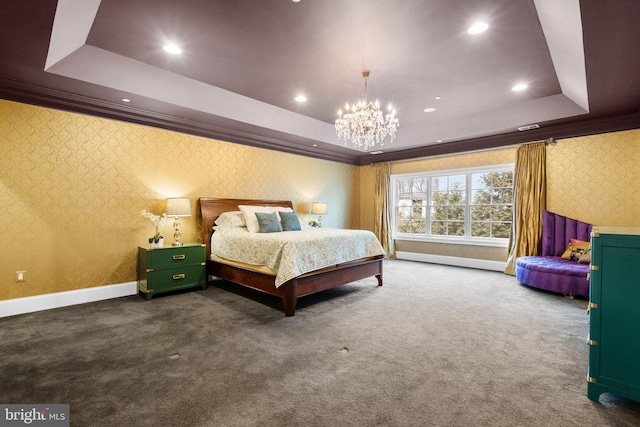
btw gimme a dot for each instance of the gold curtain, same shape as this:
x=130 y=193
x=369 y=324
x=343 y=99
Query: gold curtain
x=382 y=209
x=529 y=200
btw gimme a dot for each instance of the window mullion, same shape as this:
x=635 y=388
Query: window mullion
x=427 y=225
x=467 y=208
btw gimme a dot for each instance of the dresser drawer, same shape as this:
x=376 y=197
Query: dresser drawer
x=167 y=258
x=177 y=278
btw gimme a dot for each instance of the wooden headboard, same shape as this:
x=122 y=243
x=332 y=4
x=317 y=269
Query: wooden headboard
x=211 y=208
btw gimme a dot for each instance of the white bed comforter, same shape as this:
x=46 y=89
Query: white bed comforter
x=292 y=253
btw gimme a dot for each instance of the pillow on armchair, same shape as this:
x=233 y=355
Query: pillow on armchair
x=575 y=250
x=585 y=258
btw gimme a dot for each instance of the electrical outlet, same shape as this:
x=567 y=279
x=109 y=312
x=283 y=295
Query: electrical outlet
x=21 y=276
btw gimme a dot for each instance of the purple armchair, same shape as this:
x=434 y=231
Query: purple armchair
x=549 y=271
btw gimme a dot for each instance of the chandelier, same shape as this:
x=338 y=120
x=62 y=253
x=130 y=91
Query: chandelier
x=363 y=122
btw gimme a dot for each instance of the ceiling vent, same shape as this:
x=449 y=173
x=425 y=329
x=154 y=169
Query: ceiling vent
x=528 y=127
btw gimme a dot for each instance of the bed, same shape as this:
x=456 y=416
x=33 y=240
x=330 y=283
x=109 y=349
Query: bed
x=264 y=280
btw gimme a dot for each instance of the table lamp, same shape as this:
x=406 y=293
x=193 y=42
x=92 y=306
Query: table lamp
x=319 y=208
x=177 y=207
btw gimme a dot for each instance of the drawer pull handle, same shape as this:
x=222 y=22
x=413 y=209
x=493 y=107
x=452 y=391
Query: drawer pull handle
x=178 y=276
x=179 y=257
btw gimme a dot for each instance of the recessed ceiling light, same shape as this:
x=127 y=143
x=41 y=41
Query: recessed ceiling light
x=519 y=87
x=172 y=49
x=438 y=98
x=438 y=140
x=429 y=110
x=301 y=98
x=126 y=100
x=477 y=28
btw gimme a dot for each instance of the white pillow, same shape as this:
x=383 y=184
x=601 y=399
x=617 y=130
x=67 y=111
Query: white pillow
x=250 y=218
x=277 y=209
x=230 y=219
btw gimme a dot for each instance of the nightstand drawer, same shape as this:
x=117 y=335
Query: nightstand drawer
x=177 y=278
x=175 y=257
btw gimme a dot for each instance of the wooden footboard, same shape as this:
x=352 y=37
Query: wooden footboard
x=326 y=279
x=305 y=284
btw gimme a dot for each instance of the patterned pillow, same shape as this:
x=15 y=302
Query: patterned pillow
x=231 y=219
x=290 y=221
x=268 y=222
x=575 y=250
x=585 y=258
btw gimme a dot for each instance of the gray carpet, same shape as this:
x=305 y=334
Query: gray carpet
x=435 y=346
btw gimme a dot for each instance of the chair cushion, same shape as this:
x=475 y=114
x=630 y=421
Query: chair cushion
x=553 y=274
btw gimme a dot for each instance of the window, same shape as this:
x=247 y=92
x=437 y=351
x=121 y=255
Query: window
x=465 y=205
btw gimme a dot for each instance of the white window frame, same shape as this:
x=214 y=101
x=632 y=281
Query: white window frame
x=458 y=240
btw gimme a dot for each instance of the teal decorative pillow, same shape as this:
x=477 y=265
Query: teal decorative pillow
x=268 y=222
x=290 y=221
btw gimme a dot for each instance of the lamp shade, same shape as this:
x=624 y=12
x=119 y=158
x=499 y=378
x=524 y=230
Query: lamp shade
x=178 y=206
x=319 y=208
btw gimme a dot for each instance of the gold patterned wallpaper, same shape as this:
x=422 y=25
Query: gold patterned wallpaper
x=72 y=188
x=596 y=178
x=468 y=160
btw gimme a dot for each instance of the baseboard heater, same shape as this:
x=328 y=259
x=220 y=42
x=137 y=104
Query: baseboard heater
x=481 y=264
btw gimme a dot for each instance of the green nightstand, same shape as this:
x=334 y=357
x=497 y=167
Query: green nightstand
x=171 y=268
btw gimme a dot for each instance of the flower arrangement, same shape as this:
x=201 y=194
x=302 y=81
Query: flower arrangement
x=315 y=223
x=156 y=220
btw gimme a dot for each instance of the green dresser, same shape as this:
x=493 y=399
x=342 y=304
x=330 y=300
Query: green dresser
x=171 y=268
x=614 y=307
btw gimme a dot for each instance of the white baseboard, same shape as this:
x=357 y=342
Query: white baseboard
x=24 y=305
x=481 y=264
